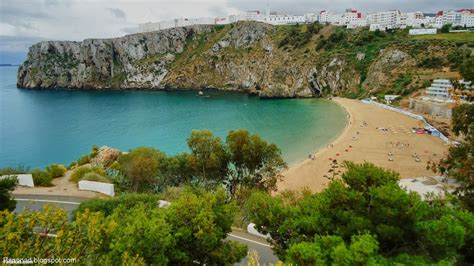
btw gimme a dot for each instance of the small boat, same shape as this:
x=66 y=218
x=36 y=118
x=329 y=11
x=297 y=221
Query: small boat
x=200 y=93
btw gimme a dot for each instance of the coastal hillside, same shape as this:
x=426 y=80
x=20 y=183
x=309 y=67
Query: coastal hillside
x=269 y=61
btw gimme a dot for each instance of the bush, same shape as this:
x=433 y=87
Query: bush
x=80 y=172
x=107 y=206
x=6 y=200
x=12 y=171
x=42 y=178
x=56 y=170
x=83 y=160
x=431 y=62
x=91 y=176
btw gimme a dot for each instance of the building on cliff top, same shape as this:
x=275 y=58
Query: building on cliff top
x=381 y=20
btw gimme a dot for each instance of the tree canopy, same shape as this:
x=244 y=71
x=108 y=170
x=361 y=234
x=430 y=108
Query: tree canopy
x=6 y=186
x=363 y=217
x=127 y=231
x=459 y=164
x=242 y=161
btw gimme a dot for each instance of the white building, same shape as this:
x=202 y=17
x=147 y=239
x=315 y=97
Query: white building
x=439 y=90
x=181 y=22
x=331 y=18
x=285 y=19
x=248 y=16
x=467 y=18
x=311 y=17
x=383 y=20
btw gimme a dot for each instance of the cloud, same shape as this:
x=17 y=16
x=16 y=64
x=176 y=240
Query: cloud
x=17 y=43
x=117 y=12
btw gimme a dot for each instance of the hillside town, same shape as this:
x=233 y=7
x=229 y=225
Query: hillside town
x=381 y=20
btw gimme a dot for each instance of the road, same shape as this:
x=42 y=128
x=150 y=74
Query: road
x=36 y=202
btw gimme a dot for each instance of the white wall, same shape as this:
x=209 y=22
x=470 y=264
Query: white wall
x=23 y=179
x=104 y=188
x=421 y=31
x=251 y=230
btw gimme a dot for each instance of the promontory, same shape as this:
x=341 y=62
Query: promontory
x=270 y=61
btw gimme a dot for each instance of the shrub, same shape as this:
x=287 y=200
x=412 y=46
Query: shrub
x=11 y=171
x=115 y=166
x=42 y=178
x=431 y=62
x=91 y=176
x=56 y=170
x=141 y=167
x=80 y=172
x=83 y=160
x=72 y=165
x=107 y=206
x=6 y=200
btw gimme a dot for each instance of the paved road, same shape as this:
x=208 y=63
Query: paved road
x=36 y=202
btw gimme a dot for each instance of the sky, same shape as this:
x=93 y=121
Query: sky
x=25 y=22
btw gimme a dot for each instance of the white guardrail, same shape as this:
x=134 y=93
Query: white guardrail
x=104 y=188
x=251 y=230
x=403 y=112
x=25 y=180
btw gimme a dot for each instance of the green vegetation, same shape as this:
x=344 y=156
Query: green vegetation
x=459 y=163
x=402 y=85
x=300 y=36
x=81 y=172
x=243 y=161
x=56 y=170
x=467 y=69
x=91 y=176
x=42 y=178
x=141 y=167
x=11 y=171
x=192 y=230
x=458 y=36
x=6 y=200
x=199 y=44
x=431 y=62
x=364 y=218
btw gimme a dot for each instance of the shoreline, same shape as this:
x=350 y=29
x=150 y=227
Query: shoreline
x=333 y=141
x=362 y=140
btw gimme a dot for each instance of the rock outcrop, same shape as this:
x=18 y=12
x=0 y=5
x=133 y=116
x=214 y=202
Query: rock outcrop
x=105 y=156
x=250 y=57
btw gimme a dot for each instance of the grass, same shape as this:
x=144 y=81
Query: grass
x=80 y=172
x=457 y=36
x=91 y=176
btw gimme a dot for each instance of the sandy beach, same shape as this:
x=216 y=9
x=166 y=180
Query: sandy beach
x=362 y=140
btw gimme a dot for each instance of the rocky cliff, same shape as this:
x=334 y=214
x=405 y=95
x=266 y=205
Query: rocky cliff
x=270 y=61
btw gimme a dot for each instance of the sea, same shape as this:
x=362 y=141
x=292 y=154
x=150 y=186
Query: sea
x=41 y=127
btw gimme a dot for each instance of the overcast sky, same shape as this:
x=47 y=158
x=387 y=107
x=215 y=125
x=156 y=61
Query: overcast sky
x=25 y=22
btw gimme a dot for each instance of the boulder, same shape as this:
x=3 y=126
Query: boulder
x=105 y=156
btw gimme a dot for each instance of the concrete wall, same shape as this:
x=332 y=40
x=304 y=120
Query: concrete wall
x=104 y=188
x=434 y=109
x=422 y=31
x=23 y=179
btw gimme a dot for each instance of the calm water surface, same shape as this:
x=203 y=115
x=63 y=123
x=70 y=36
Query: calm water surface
x=38 y=128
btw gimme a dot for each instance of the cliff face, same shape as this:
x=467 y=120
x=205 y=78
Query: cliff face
x=283 y=61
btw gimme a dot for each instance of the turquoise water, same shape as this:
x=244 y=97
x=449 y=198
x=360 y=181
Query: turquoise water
x=38 y=128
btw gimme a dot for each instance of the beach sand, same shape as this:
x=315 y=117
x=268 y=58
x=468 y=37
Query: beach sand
x=369 y=144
